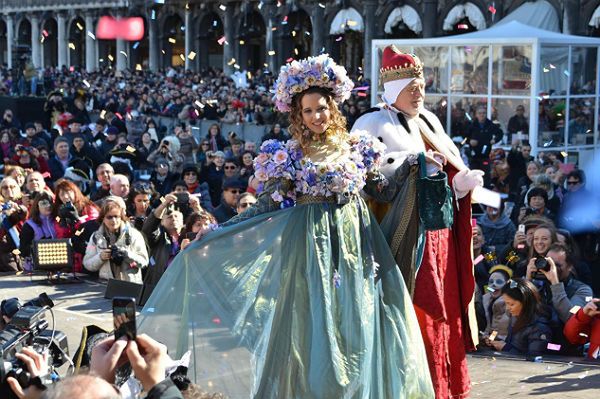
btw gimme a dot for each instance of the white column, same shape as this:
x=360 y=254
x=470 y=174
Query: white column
x=121 y=59
x=36 y=55
x=62 y=44
x=90 y=46
x=228 y=28
x=10 y=37
x=188 y=37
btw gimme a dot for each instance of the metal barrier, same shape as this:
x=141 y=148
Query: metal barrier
x=246 y=131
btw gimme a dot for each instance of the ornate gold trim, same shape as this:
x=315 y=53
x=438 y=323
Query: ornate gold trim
x=406 y=72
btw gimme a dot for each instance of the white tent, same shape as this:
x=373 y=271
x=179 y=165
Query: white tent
x=538 y=14
x=508 y=65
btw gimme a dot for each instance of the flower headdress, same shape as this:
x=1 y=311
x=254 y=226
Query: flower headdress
x=319 y=71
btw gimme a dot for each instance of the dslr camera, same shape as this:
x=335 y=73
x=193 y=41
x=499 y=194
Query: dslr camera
x=541 y=264
x=117 y=255
x=27 y=327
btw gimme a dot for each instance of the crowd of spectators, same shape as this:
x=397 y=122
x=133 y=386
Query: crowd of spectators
x=130 y=194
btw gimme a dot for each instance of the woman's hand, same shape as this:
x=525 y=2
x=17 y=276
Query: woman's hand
x=195 y=203
x=520 y=240
x=105 y=254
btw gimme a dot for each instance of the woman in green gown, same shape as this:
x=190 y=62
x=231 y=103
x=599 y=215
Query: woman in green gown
x=299 y=296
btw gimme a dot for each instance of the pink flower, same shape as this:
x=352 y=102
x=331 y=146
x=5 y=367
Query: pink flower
x=261 y=175
x=280 y=157
x=277 y=197
x=261 y=158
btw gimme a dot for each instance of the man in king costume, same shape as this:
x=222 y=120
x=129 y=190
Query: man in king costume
x=437 y=265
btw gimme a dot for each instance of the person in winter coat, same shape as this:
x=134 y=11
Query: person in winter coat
x=584 y=327
x=39 y=226
x=71 y=209
x=529 y=331
x=497 y=228
x=117 y=250
x=12 y=217
x=169 y=150
x=162 y=230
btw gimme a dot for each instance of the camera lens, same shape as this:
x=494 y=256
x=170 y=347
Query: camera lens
x=542 y=264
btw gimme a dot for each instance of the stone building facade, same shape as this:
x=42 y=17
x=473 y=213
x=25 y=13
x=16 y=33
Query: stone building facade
x=248 y=34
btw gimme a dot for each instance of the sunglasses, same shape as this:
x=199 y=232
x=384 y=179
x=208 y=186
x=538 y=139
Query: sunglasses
x=496 y=281
x=229 y=167
x=572 y=183
x=112 y=217
x=44 y=204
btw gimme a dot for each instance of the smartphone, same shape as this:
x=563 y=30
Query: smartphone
x=124 y=317
x=191 y=235
x=522 y=228
x=183 y=198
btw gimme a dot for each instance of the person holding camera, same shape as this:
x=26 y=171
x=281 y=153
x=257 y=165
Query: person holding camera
x=36 y=364
x=560 y=289
x=12 y=217
x=162 y=230
x=538 y=240
x=116 y=250
x=191 y=178
x=584 y=327
x=169 y=150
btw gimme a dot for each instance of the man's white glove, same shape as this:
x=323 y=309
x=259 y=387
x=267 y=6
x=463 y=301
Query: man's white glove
x=466 y=180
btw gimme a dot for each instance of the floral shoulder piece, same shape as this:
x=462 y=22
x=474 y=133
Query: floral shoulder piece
x=278 y=161
x=367 y=150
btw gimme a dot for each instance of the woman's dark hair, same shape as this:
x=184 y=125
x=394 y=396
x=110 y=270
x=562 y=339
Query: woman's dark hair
x=537 y=192
x=524 y=291
x=137 y=189
x=570 y=242
x=34 y=211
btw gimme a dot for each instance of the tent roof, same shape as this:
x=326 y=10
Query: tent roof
x=515 y=30
x=509 y=32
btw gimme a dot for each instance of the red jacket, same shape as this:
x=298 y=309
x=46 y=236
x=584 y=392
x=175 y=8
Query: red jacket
x=580 y=323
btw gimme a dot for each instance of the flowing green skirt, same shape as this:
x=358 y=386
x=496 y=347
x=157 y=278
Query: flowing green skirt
x=265 y=315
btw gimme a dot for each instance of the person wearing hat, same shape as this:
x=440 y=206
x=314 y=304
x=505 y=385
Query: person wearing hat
x=109 y=142
x=232 y=188
x=80 y=173
x=191 y=177
x=444 y=285
x=32 y=139
x=493 y=303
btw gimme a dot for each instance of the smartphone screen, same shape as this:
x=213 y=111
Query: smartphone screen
x=522 y=228
x=124 y=317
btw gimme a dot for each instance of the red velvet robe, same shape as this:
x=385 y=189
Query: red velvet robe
x=444 y=288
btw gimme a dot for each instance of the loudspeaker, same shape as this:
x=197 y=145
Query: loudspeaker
x=123 y=288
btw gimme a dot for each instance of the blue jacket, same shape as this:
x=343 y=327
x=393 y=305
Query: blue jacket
x=532 y=340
